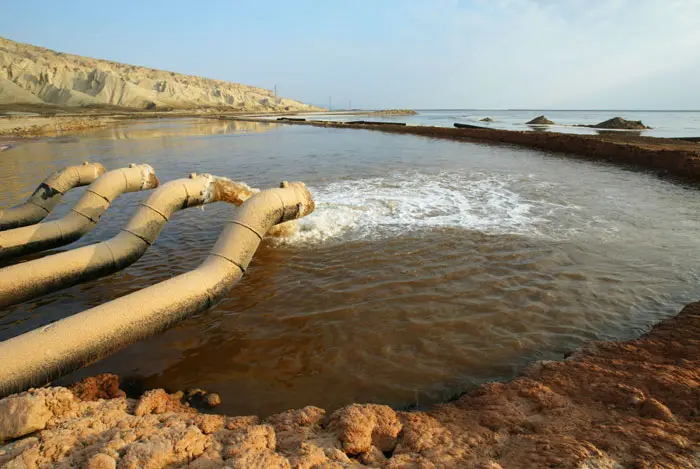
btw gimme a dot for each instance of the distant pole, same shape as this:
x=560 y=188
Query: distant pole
x=275 y=91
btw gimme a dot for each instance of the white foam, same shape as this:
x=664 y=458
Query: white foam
x=409 y=201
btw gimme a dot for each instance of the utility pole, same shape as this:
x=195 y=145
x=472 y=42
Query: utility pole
x=275 y=91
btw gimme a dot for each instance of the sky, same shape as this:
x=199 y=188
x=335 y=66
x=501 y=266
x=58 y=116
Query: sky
x=429 y=54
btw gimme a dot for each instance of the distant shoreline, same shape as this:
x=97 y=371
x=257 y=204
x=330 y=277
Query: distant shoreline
x=675 y=157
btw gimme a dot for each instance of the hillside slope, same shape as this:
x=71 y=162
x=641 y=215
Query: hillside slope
x=34 y=75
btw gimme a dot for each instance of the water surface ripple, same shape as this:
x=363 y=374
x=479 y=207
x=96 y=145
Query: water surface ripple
x=428 y=267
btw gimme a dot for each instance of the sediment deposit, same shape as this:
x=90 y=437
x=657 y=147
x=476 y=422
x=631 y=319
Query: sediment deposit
x=625 y=404
x=39 y=76
x=393 y=112
x=618 y=123
x=542 y=120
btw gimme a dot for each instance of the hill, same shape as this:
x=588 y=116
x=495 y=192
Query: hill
x=38 y=76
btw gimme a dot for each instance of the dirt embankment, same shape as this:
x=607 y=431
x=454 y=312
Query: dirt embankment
x=633 y=404
x=23 y=127
x=675 y=157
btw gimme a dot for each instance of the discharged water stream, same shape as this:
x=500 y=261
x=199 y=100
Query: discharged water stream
x=428 y=267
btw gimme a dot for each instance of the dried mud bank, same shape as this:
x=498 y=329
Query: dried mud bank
x=673 y=157
x=629 y=404
x=39 y=126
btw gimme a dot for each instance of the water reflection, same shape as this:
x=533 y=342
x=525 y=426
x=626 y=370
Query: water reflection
x=428 y=267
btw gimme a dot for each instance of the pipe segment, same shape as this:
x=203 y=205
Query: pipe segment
x=21 y=282
x=44 y=354
x=82 y=217
x=49 y=194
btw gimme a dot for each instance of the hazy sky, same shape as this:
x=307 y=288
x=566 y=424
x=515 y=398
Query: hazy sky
x=564 y=54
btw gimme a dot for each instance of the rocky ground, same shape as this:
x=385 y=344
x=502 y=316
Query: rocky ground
x=632 y=404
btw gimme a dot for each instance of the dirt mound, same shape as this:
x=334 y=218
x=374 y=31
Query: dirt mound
x=611 y=404
x=620 y=124
x=542 y=120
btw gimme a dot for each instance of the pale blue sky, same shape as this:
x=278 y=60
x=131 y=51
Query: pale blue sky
x=566 y=54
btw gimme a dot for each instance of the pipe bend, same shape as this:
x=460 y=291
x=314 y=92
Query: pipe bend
x=82 y=217
x=46 y=353
x=21 y=282
x=49 y=193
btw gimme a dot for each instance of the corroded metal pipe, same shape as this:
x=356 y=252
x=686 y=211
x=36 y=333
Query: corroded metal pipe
x=49 y=194
x=46 y=353
x=26 y=280
x=82 y=217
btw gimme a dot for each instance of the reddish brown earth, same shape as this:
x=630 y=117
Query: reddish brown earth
x=675 y=157
x=632 y=404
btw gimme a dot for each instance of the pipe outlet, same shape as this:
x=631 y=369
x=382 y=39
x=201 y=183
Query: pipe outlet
x=82 y=217
x=49 y=194
x=26 y=280
x=39 y=356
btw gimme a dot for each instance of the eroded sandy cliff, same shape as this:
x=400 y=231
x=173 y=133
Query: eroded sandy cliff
x=34 y=75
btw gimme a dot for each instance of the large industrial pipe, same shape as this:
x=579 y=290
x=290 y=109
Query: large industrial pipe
x=26 y=280
x=82 y=217
x=46 y=353
x=49 y=194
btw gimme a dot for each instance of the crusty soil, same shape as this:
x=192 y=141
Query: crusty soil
x=631 y=404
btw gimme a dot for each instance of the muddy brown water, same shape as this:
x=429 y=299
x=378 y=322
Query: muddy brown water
x=428 y=267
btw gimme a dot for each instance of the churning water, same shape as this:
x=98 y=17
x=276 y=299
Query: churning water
x=428 y=267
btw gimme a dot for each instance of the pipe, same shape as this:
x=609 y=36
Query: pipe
x=37 y=277
x=49 y=194
x=41 y=355
x=82 y=217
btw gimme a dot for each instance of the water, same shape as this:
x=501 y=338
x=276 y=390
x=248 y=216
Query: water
x=428 y=267
x=662 y=123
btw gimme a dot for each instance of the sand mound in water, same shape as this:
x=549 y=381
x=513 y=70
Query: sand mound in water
x=542 y=120
x=620 y=124
x=615 y=404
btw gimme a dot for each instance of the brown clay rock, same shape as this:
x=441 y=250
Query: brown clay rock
x=653 y=409
x=255 y=447
x=358 y=427
x=421 y=432
x=103 y=386
x=294 y=426
x=157 y=401
x=102 y=461
x=25 y=413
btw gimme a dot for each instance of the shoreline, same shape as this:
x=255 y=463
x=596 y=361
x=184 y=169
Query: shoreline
x=22 y=125
x=633 y=403
x=677 y=157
